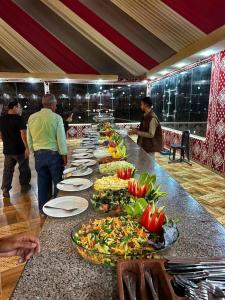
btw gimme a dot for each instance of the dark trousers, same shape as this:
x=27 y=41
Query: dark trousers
x=49 y=167
x=9 y=166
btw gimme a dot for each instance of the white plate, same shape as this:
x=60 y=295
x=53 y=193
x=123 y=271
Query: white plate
x=82 y=155
x=90 y=147
x=87 y=162
x=69 y=186
x=82 y=150
x=79 y=202
x=69 y=170
x=101 y=153
x=86 y=172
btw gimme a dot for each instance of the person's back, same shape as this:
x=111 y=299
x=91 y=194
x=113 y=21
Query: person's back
x=10 y=126
x=43 y=127
x=47 y=139
x=15 y=148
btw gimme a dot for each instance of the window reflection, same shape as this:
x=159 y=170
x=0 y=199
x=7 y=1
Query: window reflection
x=181 y=101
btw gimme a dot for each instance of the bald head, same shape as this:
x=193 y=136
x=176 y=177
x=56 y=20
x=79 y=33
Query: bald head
x=49 y=101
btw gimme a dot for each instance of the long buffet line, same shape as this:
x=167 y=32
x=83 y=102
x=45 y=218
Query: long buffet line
x=130 y=230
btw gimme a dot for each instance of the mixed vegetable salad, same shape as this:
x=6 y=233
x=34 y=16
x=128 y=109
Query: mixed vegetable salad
x=110 y=200
x=115 y=235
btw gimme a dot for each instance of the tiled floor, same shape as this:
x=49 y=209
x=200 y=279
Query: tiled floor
x=20 y=214
x=204 y=185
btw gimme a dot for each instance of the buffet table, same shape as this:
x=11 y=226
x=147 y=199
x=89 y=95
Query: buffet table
x=60 y=273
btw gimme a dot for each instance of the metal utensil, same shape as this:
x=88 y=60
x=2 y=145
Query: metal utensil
x=130 y=280
x=148 y=277
x=66 y=209
x=74 y=184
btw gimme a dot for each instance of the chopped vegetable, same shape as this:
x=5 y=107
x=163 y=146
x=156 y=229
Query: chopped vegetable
x=125 y=173
x=111 y=168
x=110 y=183
x=136 y=190
x=110 y=200
x=153 y=219
x=114 y=235
x=136 y=207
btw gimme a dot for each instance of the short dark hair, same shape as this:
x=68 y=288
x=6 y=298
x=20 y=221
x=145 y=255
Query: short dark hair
x=13 y=104
x=147 y=101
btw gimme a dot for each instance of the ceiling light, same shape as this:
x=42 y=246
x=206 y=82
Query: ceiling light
x=152 y=77
x=31 y=79
x=66 y=80
x=164 y=72
x=180 y=65
x=207 y=52
x=145 y=81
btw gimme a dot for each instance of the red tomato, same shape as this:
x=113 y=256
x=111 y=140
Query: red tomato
x=153 y=219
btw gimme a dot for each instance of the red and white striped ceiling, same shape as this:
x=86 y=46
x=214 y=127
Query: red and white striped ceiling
x=123 y=37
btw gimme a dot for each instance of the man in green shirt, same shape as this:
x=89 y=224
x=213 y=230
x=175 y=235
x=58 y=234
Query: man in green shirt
x=46 y=138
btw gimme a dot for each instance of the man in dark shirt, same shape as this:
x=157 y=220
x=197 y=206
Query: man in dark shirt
x=15 y=148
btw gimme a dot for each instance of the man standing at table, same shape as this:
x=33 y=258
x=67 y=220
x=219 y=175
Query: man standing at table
x=150 y=132
x=15 y=148
x=46 y=138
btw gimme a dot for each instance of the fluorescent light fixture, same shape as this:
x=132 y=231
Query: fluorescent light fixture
x=66 y=80
x=31 y=79
x=181 y=64
x=111 y=89
x=152 y=77
x=206 y=52
x=119 y=87
x=164 y=72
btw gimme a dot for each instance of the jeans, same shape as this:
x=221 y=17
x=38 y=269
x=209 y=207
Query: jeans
x=49 y=167
x=9 y=165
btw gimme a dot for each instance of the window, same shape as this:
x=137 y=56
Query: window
x=181 y=101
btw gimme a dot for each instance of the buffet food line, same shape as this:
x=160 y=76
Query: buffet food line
x=117 y=217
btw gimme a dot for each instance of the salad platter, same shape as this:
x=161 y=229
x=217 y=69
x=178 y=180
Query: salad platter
x=107 y=240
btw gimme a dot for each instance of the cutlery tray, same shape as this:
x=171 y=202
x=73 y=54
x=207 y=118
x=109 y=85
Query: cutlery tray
x=165 y=289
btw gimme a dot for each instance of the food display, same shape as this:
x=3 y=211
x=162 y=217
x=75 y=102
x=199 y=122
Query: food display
x=125 y=173
x=110 y=183
x=104 y=126
x=153 y=218
x=112 y=167
x=137 y=190
x=104 y=241
x=138 y=228
x=110 y=200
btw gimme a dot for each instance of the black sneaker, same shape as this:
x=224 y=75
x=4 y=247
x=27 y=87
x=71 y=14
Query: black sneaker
x=6 y=194
x=25 y=188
